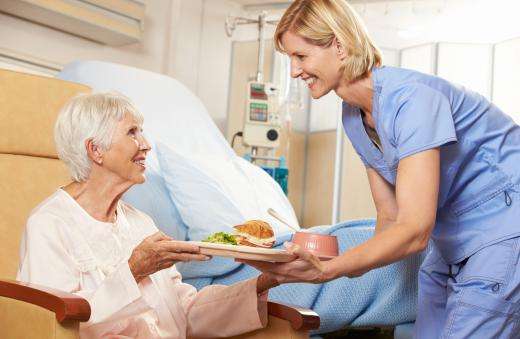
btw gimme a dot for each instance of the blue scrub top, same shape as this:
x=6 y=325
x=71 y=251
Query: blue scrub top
x=479 y=193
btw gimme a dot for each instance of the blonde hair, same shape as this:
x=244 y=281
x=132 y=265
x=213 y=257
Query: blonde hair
x=89 y=116
x=320 y=21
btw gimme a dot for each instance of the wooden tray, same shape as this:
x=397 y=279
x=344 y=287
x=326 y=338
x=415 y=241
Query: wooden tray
x=244 y=252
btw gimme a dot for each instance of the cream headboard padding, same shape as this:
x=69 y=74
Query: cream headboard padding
x=29 y=105
x=29 y=172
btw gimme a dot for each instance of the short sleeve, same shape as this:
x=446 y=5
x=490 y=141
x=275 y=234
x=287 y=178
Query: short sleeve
x=422 y=121
x=363 y=160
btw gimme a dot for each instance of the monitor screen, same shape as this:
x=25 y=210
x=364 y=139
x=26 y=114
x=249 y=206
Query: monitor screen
x=258 y=112
x=257 y=91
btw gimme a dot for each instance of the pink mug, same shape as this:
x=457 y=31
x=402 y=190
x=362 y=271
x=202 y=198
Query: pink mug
x=323 y=246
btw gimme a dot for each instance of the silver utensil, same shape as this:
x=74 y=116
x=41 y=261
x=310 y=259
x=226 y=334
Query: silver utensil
x=277 y=216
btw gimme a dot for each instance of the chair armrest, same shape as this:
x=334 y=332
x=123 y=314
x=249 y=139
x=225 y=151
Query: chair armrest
x=67 y=306
x=299 y=318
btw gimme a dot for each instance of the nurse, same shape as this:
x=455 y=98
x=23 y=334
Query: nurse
x=443 y=164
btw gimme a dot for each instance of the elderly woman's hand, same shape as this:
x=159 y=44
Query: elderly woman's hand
x=158 y=252
x=305 y=268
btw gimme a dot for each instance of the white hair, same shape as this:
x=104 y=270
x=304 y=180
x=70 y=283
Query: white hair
x=89 y=116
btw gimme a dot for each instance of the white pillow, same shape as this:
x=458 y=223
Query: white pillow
x=213 y=193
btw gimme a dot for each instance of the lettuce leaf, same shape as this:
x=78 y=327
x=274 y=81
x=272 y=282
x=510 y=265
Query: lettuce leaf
x=221 y=238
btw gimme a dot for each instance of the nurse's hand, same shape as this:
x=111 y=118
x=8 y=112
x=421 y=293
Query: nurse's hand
x=158 y=252
x=305 y=268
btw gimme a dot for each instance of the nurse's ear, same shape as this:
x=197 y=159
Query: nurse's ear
x=339 y=49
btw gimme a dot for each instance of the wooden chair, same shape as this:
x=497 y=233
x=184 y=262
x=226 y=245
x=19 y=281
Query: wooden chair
x=30 y=171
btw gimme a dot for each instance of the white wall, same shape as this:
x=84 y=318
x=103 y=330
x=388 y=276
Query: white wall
x=324 y=113
x=506 y=89
x=420 y=58
x=201 y=52
x=469 y=65
x=391 y=57
x=182 y=38
x=183 y=55
x=214 y=66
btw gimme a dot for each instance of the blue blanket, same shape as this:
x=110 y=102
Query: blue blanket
x=385 y=296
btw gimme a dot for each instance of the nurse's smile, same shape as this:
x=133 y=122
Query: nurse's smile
x=318 y=66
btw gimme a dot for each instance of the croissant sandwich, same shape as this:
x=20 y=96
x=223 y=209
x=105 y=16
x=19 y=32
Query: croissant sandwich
x=255 y=233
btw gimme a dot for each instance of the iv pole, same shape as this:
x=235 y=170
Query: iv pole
x=232 y=22
x=230 y=25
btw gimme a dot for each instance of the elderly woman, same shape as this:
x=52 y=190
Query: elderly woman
x=442 y=163
x=83 y=239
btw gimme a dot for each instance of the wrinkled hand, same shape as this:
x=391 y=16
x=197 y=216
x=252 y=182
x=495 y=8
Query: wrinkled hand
x=305 y=268
x=157 y=252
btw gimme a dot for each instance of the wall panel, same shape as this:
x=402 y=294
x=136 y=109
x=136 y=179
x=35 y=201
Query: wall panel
x=420 y=58
x=506 y=86
x=324 y=113
x=356 y=199
x=319 y=182
x=391 y=57
x=466 y=64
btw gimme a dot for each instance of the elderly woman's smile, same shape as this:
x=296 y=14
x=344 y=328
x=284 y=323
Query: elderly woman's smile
x=140 y=161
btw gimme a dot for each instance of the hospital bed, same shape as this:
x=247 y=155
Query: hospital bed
x=196 y=185
x=30 y=171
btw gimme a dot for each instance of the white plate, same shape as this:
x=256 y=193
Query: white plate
x=244 y=252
